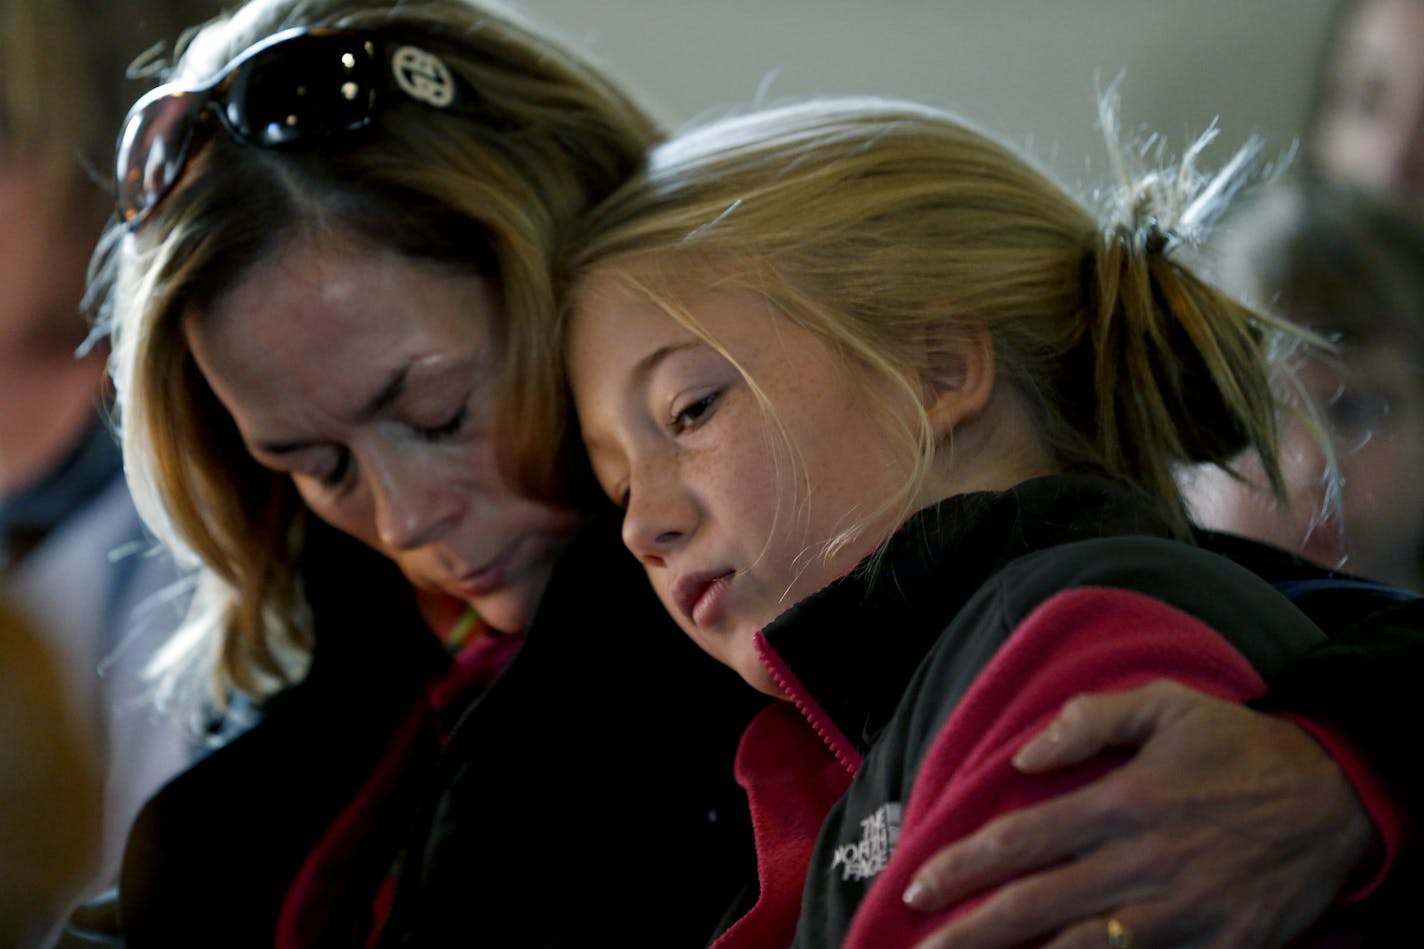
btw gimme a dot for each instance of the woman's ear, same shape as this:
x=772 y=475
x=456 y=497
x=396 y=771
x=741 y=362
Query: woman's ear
x=961 y=383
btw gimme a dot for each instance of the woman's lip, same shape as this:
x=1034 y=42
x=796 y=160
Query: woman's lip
x=487 y=578
x=699 y=596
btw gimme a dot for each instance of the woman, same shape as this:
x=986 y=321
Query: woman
x=329 y=310
x=464 y=176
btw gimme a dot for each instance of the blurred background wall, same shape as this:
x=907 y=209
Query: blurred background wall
x=1025 y=69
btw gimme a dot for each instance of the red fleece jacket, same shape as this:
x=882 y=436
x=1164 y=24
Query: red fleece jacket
x=1085 y=639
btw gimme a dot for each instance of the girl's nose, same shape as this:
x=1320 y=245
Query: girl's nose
x=659 y=518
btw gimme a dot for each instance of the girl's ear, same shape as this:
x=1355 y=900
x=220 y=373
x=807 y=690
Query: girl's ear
x=962 y=383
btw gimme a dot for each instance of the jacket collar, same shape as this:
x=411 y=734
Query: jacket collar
x=855 y=645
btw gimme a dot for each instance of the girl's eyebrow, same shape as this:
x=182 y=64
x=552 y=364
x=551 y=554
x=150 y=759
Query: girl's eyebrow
x=644 y=367
x=594 y=443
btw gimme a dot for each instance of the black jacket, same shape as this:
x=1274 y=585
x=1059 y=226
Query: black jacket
x=607 y=702
x=586 y=794
x=887 y=652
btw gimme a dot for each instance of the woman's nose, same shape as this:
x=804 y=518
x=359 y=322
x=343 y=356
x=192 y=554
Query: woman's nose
x=412 y=507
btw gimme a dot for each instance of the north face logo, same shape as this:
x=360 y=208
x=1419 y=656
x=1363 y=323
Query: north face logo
x=879 y=833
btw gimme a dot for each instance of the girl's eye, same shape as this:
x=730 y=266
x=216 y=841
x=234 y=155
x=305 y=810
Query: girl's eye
x=694 y=413
x=445 y=429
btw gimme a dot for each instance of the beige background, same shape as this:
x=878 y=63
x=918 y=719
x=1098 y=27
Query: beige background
x=1025 y=69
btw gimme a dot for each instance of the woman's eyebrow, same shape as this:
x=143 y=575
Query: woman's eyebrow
x=382 y=399
x=395 y=385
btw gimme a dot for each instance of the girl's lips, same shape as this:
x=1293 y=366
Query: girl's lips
x=700 y=596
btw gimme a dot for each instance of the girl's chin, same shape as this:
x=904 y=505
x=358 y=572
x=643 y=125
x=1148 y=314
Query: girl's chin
x=758 y=677
x=766 y=686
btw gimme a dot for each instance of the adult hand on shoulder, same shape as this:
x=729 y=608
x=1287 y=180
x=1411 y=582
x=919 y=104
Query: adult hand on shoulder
x=1227 y=828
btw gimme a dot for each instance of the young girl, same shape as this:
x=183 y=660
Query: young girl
x=794 y=312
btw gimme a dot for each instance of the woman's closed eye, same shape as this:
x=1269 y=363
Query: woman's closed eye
x=334 y=475
x=328 y=468
x=615 y=488
x=326 y=465
x=446 y=429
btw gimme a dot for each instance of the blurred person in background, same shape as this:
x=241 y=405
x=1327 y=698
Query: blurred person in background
x=74 y=556
x=1366 y=122
x=1335 y=259
x=48 y=788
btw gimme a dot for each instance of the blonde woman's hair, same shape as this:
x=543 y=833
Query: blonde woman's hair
x=491 y=196
x=895 y=232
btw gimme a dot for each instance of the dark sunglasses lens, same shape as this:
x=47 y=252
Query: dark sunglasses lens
x=154 y=149
x=302 y=88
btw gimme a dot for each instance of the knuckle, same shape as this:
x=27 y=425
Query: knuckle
x=1156 y=859
x=1253 y=926
x=942 y=938
x=1014 y=902
x=1133 y=798
x=1005 y=841
x=1087 y=934
x=1237 y=932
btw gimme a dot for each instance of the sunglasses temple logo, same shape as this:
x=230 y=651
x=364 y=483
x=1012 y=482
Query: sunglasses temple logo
x=423 y=77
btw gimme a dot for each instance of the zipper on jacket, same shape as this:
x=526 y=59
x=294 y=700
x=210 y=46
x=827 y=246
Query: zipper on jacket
x=810 y=709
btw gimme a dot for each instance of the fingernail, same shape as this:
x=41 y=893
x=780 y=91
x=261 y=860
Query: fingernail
x=915 y=894
x=1037 y=748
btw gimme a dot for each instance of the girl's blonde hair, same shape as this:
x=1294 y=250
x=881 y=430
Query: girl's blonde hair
x=896 y=232
x=492 y=196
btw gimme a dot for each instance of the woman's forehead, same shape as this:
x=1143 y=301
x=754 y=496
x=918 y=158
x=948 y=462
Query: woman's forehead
x=324 y=312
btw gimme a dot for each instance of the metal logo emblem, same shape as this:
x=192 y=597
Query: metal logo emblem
x=423 y=76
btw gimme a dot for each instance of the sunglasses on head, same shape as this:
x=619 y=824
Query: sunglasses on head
x=293 y=86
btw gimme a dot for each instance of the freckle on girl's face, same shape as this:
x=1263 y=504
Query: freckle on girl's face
x=728 y=511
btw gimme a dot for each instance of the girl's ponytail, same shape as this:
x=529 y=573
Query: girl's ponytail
x=1180 y=373
x=895 y=231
